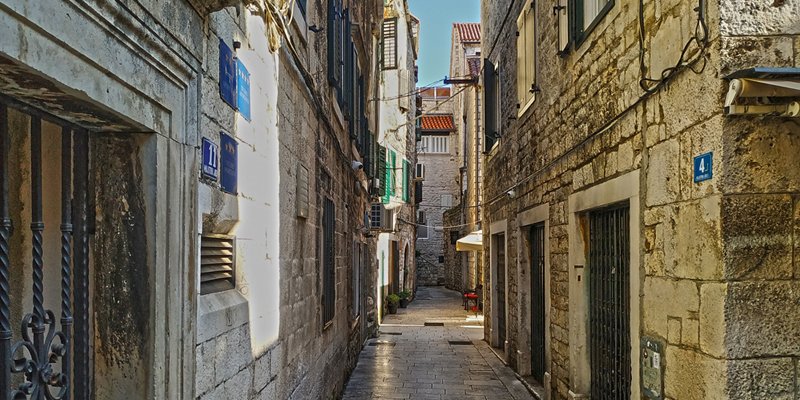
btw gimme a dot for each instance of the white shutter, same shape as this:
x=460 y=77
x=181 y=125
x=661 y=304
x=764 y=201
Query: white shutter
x=563 y=25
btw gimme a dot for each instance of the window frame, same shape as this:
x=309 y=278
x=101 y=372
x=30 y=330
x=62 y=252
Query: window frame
x=528 y=58
x=328 y=295
x=422 y=223
x=577 y=32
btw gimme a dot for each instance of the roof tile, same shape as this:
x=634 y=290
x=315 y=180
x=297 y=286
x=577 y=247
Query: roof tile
x=469 y=32
x=440 y=123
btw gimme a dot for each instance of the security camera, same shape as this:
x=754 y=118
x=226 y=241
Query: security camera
x=511 y=193
x=357 y=165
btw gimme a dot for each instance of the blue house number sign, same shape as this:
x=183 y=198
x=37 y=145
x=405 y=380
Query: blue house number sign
x=210 y=159
x=229 y=160
x=703 y=167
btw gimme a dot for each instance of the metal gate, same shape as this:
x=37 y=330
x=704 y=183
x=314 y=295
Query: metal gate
x=500 y=245
x=50 y=358
x=609 y=303
x=538 y=367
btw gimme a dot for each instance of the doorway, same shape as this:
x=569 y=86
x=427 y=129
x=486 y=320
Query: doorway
x=499 y=248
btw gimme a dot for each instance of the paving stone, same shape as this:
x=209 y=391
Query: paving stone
x=422 y=364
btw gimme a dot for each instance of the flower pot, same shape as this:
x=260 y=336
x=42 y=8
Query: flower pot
x=403 y=303
x=392 y=308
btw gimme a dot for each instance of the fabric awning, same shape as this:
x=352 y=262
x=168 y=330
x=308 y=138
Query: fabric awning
x=471 y=242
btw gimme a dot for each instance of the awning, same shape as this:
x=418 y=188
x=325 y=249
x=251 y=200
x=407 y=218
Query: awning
x=471 y=242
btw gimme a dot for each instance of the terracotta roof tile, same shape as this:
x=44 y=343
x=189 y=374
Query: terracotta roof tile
x=440 y=123
x=433 y=92
x=474 y=64
x=469 y=32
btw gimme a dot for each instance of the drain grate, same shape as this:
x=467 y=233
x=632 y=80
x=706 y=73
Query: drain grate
x=460 y=342
x=391 y=333
x=434 y=324
x=382 y=344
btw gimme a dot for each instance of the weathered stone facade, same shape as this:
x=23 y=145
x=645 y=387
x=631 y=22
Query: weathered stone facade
x=440 y=184
x=712 y=269
x=143 y=79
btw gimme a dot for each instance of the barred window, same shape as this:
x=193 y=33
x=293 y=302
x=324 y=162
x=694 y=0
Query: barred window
x=328 y=261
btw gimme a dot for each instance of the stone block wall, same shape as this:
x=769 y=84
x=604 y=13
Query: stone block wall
x=718 y=258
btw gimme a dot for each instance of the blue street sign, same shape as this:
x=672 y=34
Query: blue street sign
x=243 y=89
x=227 y=74
x=703 y=167
x=229 y=161
x=210 y=159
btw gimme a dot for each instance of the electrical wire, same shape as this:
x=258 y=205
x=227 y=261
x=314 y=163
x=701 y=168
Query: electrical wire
x=430 y=226
x=658 y=84
x=499 y=33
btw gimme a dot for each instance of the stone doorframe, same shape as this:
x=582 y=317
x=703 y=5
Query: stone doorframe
x=525 y=220
x=623 y=188
x=497 y=228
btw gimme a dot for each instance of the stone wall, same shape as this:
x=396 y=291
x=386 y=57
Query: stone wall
x=453 y=260
x=716 y=266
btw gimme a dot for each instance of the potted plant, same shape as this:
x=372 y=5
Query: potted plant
x=405 y=297
x=392 y=301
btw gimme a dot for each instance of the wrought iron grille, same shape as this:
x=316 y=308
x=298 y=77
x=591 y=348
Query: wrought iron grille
x=538 y=367
x=609 y=303
x=44 y=362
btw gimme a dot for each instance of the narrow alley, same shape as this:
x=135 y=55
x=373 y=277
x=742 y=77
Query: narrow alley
x=416 y=358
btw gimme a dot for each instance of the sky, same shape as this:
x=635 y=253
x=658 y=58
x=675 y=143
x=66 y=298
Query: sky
x=437 y=18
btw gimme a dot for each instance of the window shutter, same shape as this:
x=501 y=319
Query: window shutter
x=382 y=172
x=217 y=263
x=417 y=192
x=392 y=173
x=406 y=191
x=489 y=104
x=389 y=54
x=329 y=260
x=562 y=9
x=522 y=59
x=332 y=38
x=348 y=106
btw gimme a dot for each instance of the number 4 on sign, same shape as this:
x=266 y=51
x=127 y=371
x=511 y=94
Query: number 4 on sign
x=703 y=167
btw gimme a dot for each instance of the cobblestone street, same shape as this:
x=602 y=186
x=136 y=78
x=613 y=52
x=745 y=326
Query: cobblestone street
x=413 y=361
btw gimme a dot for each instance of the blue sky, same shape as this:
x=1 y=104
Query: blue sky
x=437 y=18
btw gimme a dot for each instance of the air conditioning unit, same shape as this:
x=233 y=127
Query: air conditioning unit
x=381 y=219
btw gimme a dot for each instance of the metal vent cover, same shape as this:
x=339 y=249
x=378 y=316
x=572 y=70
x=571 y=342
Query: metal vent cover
x=217 y=263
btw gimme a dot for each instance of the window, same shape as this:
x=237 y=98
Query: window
x=406 y=181
x=335 y=44
x=576 y=20
x=526 y=57
x=217 y=263
x=328 y=262
x=422 y=225
x=391 y=176
x=420 y=174
x=389 y=44
x=302 y=5
x=491 y=105
x=376 y=216
x=447 y=200
x=435 y=144
x=381 y=171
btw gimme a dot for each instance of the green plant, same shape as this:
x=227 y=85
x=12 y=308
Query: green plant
x=393 y=299
x=405 y=295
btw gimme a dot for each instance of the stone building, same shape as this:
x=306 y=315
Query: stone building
x=211 y=162
x=437 y=167
x=393 y=214
x=641 y=234
x=465 y=66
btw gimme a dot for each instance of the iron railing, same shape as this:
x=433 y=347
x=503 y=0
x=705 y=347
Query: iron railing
x=43 y=363
x=538 y=327
x=609 y=303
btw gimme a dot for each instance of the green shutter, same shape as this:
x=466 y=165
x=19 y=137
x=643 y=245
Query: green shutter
x=381 y=172
x=393 y=171
x=406 y=169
